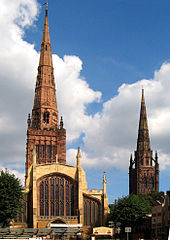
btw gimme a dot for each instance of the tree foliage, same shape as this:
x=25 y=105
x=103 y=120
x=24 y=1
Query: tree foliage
x=131 y=210
x=11 y=197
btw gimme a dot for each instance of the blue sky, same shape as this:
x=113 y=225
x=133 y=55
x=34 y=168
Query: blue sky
x=113 y=48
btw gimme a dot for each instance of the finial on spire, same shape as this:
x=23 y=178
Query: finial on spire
x=46 y=8
x=143 y=98
x=156 y=157
x=78 y=157
x=104 y=176
x=104 y=183
x=61 y=123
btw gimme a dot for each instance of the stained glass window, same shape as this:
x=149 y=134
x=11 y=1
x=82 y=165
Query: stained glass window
x=56 y=197
x=49 y=151
x=54 y=152
x=85 y=213
x=43 y=151
x=67 y=209
x=91 y=211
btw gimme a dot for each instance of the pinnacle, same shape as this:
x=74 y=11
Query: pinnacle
x=143 y=143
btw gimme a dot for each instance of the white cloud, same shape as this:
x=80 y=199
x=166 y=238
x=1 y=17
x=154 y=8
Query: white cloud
x=73 y=94
x=112 y=134
x=109 y=136
x=20 y=176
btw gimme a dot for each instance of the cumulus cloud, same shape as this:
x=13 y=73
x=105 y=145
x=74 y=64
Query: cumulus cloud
x=73 y=94
x=18 y=63
x=18 y=70
x=109 y=136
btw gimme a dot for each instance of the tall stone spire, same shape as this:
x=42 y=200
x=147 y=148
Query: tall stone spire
x=143 y=142
x=43 y=130
x=144 y=169
x=45 y=97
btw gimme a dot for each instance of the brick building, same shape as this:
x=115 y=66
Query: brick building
x=56 y=192
x=161 y=217
x=143 y=169
x=158 y=218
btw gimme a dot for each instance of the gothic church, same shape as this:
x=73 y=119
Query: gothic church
x=56 y=192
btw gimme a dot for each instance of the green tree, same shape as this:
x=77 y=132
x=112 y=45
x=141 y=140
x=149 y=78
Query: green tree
x=11 y=197
x=131 y=210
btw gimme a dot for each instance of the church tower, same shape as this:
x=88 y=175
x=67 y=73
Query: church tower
x=144 y=169
x=44 y=130
x=56 y=192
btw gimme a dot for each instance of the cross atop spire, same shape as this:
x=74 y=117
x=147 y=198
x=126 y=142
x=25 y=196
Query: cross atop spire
x=46 y=9
x=143 y=143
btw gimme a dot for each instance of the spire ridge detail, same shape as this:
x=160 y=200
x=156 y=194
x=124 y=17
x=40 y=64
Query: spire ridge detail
x=143 y=142
x=45 y=112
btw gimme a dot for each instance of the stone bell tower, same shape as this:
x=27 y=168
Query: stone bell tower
x=143 y=169
x=44 y=130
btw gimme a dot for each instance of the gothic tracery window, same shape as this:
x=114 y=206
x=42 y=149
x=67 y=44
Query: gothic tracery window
x=56 y=196
x=147 y=161
x=91 y=211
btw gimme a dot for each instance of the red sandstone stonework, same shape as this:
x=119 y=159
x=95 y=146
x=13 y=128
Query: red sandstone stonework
x=44 y=130
x=144 y=169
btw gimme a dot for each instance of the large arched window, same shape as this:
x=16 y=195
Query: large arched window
x=56 y=196
x=91 y=211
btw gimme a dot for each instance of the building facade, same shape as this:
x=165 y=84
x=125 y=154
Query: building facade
x=56 y=192
x=161 y=217
x=143 y=168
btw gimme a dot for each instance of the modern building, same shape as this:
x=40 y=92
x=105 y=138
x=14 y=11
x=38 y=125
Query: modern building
x=56 y=192
x=143 y=169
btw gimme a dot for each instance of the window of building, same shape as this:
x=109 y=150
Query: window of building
x=147 y=161
x=85 y=213
x=46 y=117
x=168 y=200
x=61 y=209
x=38 y=151
x=49 y=151
x=52 y=189
x=62 y=192
x=46 y=209
x=91 y=211
x=168 y=215
x=67 y=209
x=72 y=199
x=54 y=152
x=56 y=196
x=52 y=209
x=43 y=151
x=57 y=209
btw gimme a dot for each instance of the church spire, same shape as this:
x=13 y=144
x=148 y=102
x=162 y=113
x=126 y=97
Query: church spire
x=45 y=113
x=143 y=142
x=143 y=173
x=45 y=54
